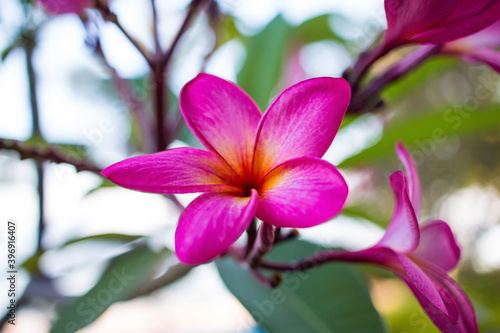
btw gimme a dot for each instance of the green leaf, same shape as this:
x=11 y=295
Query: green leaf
x=7 y=50
x=418 y=78
x=318 y=29
x=105 y=237
x=125 y=274
x=329 y=298
x=262 y=69
x=364 y=213
x=105 y=183
x=422 y=134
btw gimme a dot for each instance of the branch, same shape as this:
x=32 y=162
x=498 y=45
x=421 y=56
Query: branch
x=108 y=15
x=313 y=261
x=136 y=105
x=155 y=28
x=51 y=154
x=193 y=6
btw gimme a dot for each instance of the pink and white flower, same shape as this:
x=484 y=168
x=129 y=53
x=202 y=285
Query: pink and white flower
x=268 y=166
x=420 y=256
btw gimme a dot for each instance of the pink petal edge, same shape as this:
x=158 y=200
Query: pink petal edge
x=301 y=193
x=210 y=224
x=429 y=293
x=224 y=118
x=403 y=233
x=180 y=170
x=437 y=245
x=302 y=121
x=412 y=174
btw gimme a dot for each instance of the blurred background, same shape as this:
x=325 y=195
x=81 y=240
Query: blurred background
x=93 y=91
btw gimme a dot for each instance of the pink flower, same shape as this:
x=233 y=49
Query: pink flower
x=421 y=257
x=58 y=7
x=436 y=21
x=266 y=166
x=483 y=46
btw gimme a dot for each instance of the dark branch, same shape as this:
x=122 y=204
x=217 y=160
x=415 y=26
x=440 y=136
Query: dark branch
x=51 y=154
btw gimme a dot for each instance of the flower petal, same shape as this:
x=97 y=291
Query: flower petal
x=466 y=319
x=302 y=192
x=435 y=299
x=488 y=56
x=223 y=117
x=437 y=245
x=302 y=121
x=210 y=224
x=57 y=7
x=469 y=17
x=412 y=173
x=181 y=170
x=407 y=17
x=441 y=297
x=403 y=232
x=485 y=38
x=437 y=21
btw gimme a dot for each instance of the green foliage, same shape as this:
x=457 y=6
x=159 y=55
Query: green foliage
x=105 y=237
x=329 y=298
x=417 y=79
x=422 y=134
x=267 y=52
x=125 y=274
x=264 y=62
x=318 y=29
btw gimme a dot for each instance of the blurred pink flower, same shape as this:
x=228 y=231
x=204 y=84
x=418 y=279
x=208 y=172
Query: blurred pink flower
x=483 y=46
x=58 y=7
x=421 y=257
x=436 y=21
x=267 y=165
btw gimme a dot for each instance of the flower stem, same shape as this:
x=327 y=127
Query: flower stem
x=313 y=260
x=402 y=68
x=263 y=243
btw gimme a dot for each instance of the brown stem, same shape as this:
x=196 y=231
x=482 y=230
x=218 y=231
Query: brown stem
x=163 y=63
x=51 y=154
x=159 y=105
x=251 y=236
x=111 y=17
x=263 y=243
x=29 y=48
x=360 y=101
x=155 y=28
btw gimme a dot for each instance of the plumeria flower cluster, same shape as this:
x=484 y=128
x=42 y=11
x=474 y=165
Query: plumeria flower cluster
x=256 y=165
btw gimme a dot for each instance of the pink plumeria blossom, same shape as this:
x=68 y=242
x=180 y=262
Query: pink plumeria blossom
x=421 y=256
x=483 y=46
x=266 y=166
x=436 y=21
x=58 y=7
